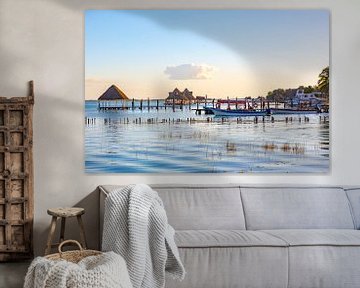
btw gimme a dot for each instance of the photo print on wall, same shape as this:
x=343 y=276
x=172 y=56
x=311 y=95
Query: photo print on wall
x=207 y=91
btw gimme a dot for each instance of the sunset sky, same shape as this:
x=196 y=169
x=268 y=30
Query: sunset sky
x=219 y=53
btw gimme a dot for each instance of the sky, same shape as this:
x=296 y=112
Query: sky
x=218 y=53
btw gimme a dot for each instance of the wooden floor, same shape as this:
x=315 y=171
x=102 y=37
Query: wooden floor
x=12 y=274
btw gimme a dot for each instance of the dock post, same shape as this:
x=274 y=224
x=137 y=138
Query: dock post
x=197 y=104
x=213 y=103
x=133 y=104
x=173 y=103
x=181 y=104
x=157 y=104
x=236 y=103
x=141 y=104
x=148 y=102
x=228 y=102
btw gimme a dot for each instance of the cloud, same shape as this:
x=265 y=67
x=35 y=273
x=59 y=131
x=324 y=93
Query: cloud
x=190 y=71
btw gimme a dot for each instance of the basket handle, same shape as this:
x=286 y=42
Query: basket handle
x=69 y=241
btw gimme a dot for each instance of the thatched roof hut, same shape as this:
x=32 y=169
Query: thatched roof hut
x=113 y=93
x=186 y=95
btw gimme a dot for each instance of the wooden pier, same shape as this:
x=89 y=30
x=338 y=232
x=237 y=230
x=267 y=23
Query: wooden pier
x=155 y=104
x=199 y=106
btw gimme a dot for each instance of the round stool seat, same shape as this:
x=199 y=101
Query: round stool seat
x=66 y=211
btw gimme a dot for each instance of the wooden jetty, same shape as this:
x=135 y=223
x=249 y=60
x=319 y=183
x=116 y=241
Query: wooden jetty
x=150 y=104
x=199 y=106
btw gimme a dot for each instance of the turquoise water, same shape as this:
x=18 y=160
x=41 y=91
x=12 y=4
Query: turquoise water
x=116 y=142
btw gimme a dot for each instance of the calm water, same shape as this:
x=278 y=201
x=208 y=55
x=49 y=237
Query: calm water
x=115 y=143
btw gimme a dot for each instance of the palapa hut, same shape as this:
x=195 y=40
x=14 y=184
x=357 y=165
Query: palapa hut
x=112 y=98
x=188 y=94
x=178 y=96
x=113 y=93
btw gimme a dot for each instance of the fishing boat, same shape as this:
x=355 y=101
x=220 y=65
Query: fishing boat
x=238 y=112
x=278 y=111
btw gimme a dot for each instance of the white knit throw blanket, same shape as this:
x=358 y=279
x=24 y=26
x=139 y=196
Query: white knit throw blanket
x=103 y=271
x=136 y=227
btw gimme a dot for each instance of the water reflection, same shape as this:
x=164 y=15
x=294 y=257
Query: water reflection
x=164 y=141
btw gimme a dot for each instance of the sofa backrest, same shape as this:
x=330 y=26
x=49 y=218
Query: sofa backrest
x=354 y=198
x=203 y=207
x=296 y=208
x=211 y=207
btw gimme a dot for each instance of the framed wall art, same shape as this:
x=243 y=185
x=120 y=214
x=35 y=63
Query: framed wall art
x=207 y=91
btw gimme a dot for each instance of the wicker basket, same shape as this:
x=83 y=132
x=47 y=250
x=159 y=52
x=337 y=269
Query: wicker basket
x=72 y=256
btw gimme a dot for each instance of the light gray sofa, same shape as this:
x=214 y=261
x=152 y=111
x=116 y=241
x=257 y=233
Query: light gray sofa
x=242 y=236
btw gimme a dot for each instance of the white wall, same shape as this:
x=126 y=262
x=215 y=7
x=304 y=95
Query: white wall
x=43 y=40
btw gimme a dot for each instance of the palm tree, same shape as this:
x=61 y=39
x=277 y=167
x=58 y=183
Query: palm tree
x=323 y=82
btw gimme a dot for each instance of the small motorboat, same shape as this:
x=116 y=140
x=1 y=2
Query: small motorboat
x=239 y=112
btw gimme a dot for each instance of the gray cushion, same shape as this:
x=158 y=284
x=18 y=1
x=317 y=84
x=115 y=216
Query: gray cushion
x=318 y=237
x=225 y=238
x=203 y=208
x=354 y=198
x=324 y=267
x=296 y=208
x=322 y=258
x=224 y=267
x=199 y=207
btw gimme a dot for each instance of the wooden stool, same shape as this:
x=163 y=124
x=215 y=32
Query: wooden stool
x=64 y=213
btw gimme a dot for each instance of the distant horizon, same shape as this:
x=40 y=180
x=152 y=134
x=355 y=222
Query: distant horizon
x=163 y=98
x=218 y=53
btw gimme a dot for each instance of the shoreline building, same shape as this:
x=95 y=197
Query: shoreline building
x=312 y=99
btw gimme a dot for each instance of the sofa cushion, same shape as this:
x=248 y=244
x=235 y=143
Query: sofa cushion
x=199 y=207
x=322 y=258
x=324 y=266
x=204 y=208
x=226 y=238
x=317 y=237
x=354 y=198
x=220 y=267
x=296 y=208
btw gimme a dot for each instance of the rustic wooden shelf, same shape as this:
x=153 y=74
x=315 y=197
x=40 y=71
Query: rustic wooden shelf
x=16 y=177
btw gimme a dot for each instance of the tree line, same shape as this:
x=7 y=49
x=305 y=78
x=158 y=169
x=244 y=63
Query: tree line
x=281 y=95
